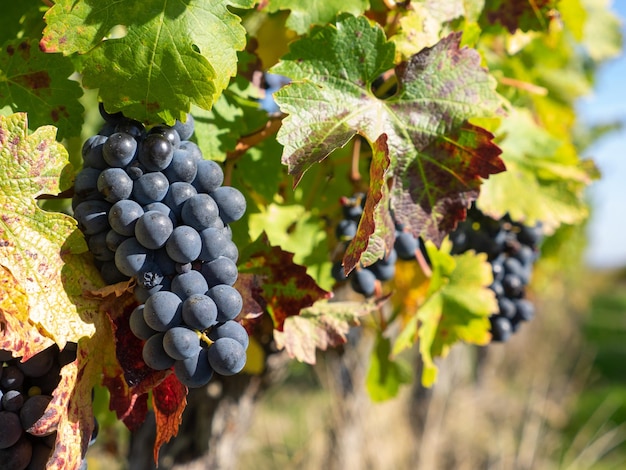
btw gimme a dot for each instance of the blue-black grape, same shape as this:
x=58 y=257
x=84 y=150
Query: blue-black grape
x=114 y=184
x=346 y=230
x=215 y=244
x=163 y=311
x=92 y=152
x=119 y=149
x=209 y=176
x=199 y=211
x=11 y=429
x=123 y=216
x=131 y=257
x=154 y=354
x=199 y=311
x=501 y=329
x=184 y=244
x=231 y=203
x=406 y=245
x=177 y=195
x=153 y=229
x=18 y=456
x=138 y=324
x=12 y=378
x=110 y=274
x=92 y=216
x=195 y=371
x=86 y=184
x=98 y=247
x=163 y=208
x=230 y=329
x=227 y=300
x=39 y=364
x=156 y=152
x=181 y=343
x=363 y=281
x=12 y=400
x=227 y=356
x=187 y=284
x=168 y=133
x=33 y=410
x=185 y=129
x=221 y=270
x=150 y=187
x=113 y=239
x=183 y=167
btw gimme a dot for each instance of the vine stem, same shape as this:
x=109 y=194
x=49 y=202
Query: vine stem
x=529 y=87
x=246 y=142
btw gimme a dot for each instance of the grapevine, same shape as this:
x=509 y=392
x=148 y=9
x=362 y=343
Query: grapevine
x=187 y=189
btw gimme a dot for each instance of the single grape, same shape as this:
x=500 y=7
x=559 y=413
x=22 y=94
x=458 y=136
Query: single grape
x=86 y=184
x=227 y=356
x=185 y=129
x=199 y=211
x=110 y=274
x=150 y=187
x=33 y=410
x=209 y=176
x=143 y=293
x=156 y=152
x=163 y=311
x=195 y=371
x=199 y=311
x=346 y=230
x=18 y=456
x=123 y=216
x=184 y=244
x=506 y=307
x=215 y=243
x=114 y=184
x=40 y=363
x=221 y=270
x=164 y=209
x=12 y=400
x=131 y=127
x=92 y=152
x=230 y=329
x=405 y=245
x=181 y=343
x=98 y=247
x=176 y=196
x=169 y=133
x=363 y=281
x=138 y=324
x=113 y=239
x=524 y=309
x=183 y=167
x=501 y=328
x=190 y=283
x=383 y=272
x=154 y=354
x=231 y=203
x=11 y=429
x=12 y=378
x=131 y=257
x=227 y=300
x=337 y=272
x=193 y=149
x=119 y=149
x=153 y=229
x=513 y=285
x=166 y=264
x=92 y=216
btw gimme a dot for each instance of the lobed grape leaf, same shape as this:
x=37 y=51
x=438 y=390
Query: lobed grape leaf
x=437 y=157
x=320 y=326
x=305 y=14
x=376 y=233
x=456 y=308
x=42 y=250
x=526 y=15
x=172 y=54
x=39 y=84
x=287 y=288
x=544 y=169
x=169 y=400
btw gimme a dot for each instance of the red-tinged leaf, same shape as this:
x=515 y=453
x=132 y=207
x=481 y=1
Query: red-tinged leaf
x=437 y=157
x=375 y=235
x=287 y=288
x=249 y=286
x=323 y=325
x=515 y=14
x=169 y=399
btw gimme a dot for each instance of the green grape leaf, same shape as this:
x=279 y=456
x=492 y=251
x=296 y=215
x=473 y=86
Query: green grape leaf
x=38 y=83
x=286 y=286
x=167 y=59
x=314 y=12
x=514 y=14
x=42 y=250
x=602 y=31
x=321 y=326
x=376 y=233
x=541 y=167
x=437 y=158
x=385 y=374
x=21 y=20
x=456 y=308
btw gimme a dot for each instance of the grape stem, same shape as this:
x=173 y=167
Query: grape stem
x=248 y=141
x=204 y=338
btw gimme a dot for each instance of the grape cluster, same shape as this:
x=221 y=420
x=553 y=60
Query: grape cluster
x=153 y=209
x=25 y=391
x=512 y=249
x=364 y=279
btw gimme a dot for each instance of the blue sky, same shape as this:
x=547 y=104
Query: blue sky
x=607 y=227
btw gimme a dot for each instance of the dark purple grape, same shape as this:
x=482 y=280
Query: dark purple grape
x=154 y=354
x=114 y=185
x=123 y=216
x=163 y=311
x=183 y=167
x=199 y=311
x=363 y=281
x=33 y=410
x=184 y=244
x=156 y=152
x=227 y=356
x=221 y=270
x=150 y=187
x=209 y=176
x=230 y=329
x=119 y=149
x=227 y=300
x=185 y=129
x=231 y=203
x=195 y=371
x=153 y=229
x=181 y=343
